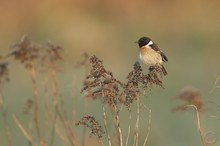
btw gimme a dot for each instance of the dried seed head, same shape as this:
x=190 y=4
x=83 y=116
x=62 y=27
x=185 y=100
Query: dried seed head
x=29 y=53
x=190 y=96
x=4 y=72
x=91 y=123
x=101 y=84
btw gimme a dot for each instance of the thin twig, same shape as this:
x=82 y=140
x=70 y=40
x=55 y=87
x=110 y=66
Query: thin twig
x=47 y=111
x=86 y=67
x=64 y=122
x=30 y=129
x=1 y=99
x=215 y=83
x=129 y=128
x=55 y=84
x=36 y=110
x=149 y=125
x=118 y=126
x=136 y=132
x=25 y=133
x=53 y=129
x=106 y=126
x=116 y=122
x=198 y=124
x=6 y=126
x=74 y=102
x=58 y=132
x=84 y=127
x=5 y=120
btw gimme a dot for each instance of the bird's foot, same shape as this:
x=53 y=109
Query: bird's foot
x=151 y=68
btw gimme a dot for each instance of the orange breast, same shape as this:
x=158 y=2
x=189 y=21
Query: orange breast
x=144 y=51
x=149 y=56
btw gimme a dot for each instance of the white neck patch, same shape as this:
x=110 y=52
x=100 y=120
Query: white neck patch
x=150 y=43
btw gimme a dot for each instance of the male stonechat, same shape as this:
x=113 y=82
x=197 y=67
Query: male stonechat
x=151 y=54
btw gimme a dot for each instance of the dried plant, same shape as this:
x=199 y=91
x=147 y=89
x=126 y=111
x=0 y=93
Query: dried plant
x=190 y=96
x=4 y=78
x=4 y=72
x=192 y=99
x=138 y=81
x=199 y=128
x=99 y=84
x=43 y=57
x=30 y=53
x=102 y=85
x=92 y=124
x=84 y=62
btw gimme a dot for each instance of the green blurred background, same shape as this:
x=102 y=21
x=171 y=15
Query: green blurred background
x=188 y=32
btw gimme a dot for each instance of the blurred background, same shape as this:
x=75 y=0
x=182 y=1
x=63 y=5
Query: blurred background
x=187 y=31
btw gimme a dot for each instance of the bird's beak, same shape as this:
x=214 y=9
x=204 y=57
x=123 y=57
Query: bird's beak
x=135 y=42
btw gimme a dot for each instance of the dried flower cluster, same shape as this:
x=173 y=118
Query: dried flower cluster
x=4 y=77
x=28 y=52
x=4 y=72
x=28 y=106
x=137 y=80
x=101 y=83
x=91 y=123
x=191 y=96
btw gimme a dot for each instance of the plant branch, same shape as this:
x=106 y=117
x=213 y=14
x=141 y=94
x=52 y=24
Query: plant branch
x=25 y=133
x=106 y=126
x=129 y=128
x=64 y=121
x=198 y=124
x=36 y=110
x=137 y=123
x=149 y=125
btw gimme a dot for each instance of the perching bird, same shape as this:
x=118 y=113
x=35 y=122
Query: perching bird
x=151 y=54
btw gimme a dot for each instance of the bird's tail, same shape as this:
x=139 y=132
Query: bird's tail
x=164 y=70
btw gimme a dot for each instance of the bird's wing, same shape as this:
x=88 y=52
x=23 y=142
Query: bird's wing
x=164 y=57
x=157 y=49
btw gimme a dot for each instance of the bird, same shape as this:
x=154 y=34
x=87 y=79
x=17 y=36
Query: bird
x=151 y=54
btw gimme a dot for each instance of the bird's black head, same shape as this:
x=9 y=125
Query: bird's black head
x=143 y=41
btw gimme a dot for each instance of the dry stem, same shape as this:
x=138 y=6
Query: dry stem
x=106 y=126
x=64 y=121
x=25 y=133
x=47 y=111
x=137 y=123
x=84 y=128
x=149 y=125
x=116 y=122
x=6 y=124
x=7 y=127
x=129 y=128
x=198 y=124
x=118 y=126
x=36 y=110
